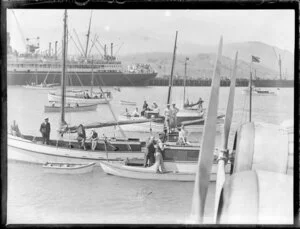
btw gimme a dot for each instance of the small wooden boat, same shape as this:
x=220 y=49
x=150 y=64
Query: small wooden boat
x=129 y=103
x=258 y=91
x=173 y=171
x=53 y=97
x=68 y=168
x=74 y=108
x=40 y=86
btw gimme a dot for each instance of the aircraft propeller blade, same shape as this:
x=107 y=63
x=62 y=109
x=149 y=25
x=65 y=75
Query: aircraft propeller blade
x=206 y=155
x=223 y=155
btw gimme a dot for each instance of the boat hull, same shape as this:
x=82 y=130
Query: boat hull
x=38 y=87
x=22 y=77
x=20 y=149
x=52 y=97
x=158 y=126
x=175 y=171
x=62 y=168
x=91 y=107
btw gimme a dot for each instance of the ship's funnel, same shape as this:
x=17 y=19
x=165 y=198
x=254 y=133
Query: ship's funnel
x=111 y=49
x=104 y=51
x=49 y=49
x=56 y=49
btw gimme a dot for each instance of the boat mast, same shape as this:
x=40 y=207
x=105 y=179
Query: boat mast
x=184 y=82
x=172 y=70
x=88 y=37
x=63 y=75
x=279 y=62
x=250 y=93
x=92 y=80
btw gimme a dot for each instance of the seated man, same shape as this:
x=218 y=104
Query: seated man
x=182 y=137
x=94 y=139
x=135 y=113
x=14 y=128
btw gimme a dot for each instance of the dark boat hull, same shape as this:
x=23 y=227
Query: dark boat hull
x=104 y=79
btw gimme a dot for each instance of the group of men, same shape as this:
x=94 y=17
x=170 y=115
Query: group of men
x=170 y=117
x=81 y=135
x=154 y=151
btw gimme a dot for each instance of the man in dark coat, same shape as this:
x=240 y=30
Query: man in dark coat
x=45 y=130
x=149 y=154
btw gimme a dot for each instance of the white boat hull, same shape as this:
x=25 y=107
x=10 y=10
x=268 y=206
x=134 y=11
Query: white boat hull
x=175 y=171
x=73 y=99
x=65 y=169
x=27 y=151
x=260 y=93
x=39 y=87
x=158 y=127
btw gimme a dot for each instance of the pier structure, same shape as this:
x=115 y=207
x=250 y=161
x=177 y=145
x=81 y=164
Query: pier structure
x=224 y=82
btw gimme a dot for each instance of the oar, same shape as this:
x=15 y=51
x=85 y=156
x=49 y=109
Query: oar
x=223 y=154
x=206 y=155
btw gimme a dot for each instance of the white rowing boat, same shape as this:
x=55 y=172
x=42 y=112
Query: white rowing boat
x=129 y=103
x=175 y=171
x=68 y=168
x=53 y=97
x=74 y=108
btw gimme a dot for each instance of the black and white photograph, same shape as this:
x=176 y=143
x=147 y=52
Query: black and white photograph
x=150 y=116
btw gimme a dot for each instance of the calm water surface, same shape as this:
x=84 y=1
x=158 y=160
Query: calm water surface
x=37 y=197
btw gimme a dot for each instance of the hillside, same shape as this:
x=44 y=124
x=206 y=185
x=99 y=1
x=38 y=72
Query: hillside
x=199 y=66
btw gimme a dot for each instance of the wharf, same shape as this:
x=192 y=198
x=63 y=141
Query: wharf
x=224 y=82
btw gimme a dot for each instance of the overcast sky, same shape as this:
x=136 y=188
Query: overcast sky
x=273 y=27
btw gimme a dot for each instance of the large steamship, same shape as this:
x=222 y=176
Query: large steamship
x=35 y=67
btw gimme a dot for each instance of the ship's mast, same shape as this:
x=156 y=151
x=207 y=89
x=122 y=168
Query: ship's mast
x=63 y=75
x=250 y=93
x=92 y=79
x=279 y=63
x=172 y=70
x=184 y=82
x=88 y=36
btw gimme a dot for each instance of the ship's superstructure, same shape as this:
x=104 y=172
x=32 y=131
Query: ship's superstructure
x=22 y=68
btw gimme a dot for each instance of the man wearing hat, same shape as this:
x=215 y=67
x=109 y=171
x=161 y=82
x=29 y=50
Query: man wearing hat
x=174 y=112
x=45 y=130
x=167 y=114
x=159 y=148
x=94 y=139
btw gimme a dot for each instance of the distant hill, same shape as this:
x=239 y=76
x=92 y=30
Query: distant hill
x=201 y=65
x=202 y=58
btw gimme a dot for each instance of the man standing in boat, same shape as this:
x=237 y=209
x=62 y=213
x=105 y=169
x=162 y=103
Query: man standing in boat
x=167 y=114
x=45 y=130
x=159 y=148
x=174 y=112
x=145 y=108
x=150 y=151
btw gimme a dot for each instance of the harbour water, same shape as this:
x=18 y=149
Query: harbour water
x=37 y=197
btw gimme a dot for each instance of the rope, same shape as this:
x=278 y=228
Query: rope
x=78 y=79
x=113 y=114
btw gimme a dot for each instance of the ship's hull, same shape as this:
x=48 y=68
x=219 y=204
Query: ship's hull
x=102 y=78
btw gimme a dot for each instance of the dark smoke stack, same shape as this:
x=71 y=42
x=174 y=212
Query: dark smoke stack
x=111 y=49
x=49 y=48
x=56 y=49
